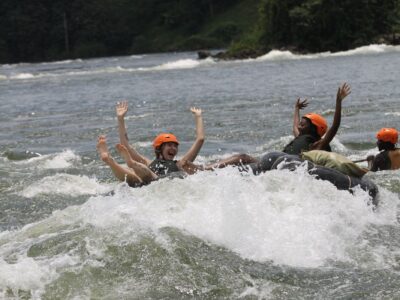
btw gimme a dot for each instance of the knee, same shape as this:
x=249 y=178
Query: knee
x=244 y=158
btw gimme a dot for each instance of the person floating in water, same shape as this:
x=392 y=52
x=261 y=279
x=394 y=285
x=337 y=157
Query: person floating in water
x=311 y=131
x=143 y=170
x=389 y=157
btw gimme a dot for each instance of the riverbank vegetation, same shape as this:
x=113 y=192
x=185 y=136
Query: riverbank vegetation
x=60 y=29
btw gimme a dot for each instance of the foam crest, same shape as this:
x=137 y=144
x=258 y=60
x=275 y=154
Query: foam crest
x=370 y=49
x=65 y=62
x=287 y=217
x=65 y=184
x=278 y=55
x=26 y=274
x=22 y=76
x=287 y=55
x=63 y=160
x=394 y=113
x=179 y=64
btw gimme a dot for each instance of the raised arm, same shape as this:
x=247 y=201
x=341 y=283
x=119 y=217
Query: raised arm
x=194 y=150
x=121 y=109
x=296 y=117
x=342 y=93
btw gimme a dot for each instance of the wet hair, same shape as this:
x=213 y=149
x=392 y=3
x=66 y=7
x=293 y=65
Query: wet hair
x=385 y=145
x=313 y=129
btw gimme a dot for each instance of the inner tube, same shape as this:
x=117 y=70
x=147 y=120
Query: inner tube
x=172 y=175
x=283 y=161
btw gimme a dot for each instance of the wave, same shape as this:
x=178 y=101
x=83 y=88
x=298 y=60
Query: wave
x=279 y=216
x=137 y=56
x=364 y=50
x=370 y=49
x=179 y=64
x=65 y=184
x=287 y=218
x=274 y=55
x=174 y=65
x=63 y=62
x=23 y=76
x=394 y=113
x=63 y=160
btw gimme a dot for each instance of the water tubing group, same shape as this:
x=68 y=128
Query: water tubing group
x=309 y=149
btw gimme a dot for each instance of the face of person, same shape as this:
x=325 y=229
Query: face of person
x=304 y=126
x=169 y=150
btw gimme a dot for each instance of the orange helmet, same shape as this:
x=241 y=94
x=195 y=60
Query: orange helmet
x=319 y=122
x=164 y=138
x=388 y=135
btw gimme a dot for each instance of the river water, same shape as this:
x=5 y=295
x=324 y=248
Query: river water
x=69 y=230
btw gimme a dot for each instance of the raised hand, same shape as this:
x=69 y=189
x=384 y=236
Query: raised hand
x=343 y=92
x=196 y=111
x=301 y=104
x=121 y=109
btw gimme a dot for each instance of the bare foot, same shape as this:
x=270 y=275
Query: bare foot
x=123 y=151
x=102 y=148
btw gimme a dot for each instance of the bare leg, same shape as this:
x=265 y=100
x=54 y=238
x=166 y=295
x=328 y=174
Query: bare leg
x=120 y=172
x=140 y=169
x=123 y=151
x=235 y=160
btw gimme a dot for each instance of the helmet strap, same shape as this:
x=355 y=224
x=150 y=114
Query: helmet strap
x=158 y=152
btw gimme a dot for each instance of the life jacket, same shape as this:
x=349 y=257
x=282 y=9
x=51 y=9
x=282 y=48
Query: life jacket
x=382 y=162
x=163 y=167
x=302 y=143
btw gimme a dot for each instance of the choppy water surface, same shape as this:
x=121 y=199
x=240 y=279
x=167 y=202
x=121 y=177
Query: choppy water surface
x=69 y=230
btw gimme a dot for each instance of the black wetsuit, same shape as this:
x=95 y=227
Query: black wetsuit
x=382 y=162
x=302 y=143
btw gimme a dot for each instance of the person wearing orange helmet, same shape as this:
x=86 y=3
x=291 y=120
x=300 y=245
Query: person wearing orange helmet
x=311 y=131
x=165 y=147
x=389 y=156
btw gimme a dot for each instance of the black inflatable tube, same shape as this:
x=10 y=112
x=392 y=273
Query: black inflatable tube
x=280 y=160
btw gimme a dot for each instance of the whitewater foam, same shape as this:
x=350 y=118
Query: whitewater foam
x=179 y=64
x=66 y=184
x=394 y=113
x=273 y=55
x=22 y=76
x=26 y=274
x=364 y=50
x=289 y=218
x=63 y=160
